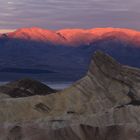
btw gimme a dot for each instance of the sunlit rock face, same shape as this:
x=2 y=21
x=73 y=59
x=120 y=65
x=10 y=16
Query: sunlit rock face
x=104 y=104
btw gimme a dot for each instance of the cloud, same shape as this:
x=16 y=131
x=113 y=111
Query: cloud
x=64 y=13
x=6 y=30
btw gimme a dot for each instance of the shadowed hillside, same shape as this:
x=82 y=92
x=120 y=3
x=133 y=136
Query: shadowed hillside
x=63 y=55
x=25 y=88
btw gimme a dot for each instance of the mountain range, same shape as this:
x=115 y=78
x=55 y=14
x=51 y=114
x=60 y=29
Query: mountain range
x=63 y=55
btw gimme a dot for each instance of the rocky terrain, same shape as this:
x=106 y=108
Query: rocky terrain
x=103 y=105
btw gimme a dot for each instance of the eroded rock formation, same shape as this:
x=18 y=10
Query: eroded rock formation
x=103 y=105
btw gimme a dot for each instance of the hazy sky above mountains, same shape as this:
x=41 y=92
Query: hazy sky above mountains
x=56 y=14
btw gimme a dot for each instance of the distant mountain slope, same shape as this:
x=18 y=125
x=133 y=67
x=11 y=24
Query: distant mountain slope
x=75 y=37
x=67 y=52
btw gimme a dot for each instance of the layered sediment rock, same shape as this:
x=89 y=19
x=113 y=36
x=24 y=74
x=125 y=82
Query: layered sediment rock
x=103 y=105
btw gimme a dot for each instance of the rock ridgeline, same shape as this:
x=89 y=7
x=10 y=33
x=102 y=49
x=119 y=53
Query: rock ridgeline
x=103 y=105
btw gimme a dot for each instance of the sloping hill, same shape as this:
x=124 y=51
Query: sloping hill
x=25 y=87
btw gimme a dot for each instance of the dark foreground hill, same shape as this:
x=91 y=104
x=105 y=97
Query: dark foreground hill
x=103 y=105
x=25 y=87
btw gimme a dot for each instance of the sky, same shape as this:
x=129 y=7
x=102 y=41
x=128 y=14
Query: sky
x=58 y=14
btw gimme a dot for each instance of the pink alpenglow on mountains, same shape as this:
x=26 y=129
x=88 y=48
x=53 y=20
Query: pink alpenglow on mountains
x=76 y=37
x=63 y=55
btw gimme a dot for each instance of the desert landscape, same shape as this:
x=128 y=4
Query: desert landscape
x=69 y=70
x=103 y=105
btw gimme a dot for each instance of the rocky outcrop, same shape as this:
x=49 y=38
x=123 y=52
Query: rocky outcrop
x=24 y=88
x=103 y=105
